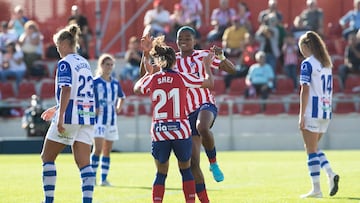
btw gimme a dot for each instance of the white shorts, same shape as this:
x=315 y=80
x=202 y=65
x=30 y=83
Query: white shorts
x=73 y=132
x=108 y=132
x=316 y=125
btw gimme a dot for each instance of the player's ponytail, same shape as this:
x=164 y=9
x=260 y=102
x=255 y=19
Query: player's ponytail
x=165 y=54
x=70 y=33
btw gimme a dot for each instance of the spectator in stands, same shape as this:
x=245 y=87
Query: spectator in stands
x=221 y=19
x=156 y=20
x=177 y=19
x=233 y=39
x=13 y=64
x=290 y=52
x=244 y=14
x=260 y=78
x=350 y=22
x=263 y=19
x=246 y=59
x=312 y=18
x=6 y=35
x=133 y=58
x=193 y=9
x=351 y=57
x=18 y=20
x=268 y=38
x=31 y=43
x=85 y=36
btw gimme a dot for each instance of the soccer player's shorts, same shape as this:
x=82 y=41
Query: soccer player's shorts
x=182 y=149
x=194 y=116
x=73 y=132
x=316 y=125
x=108 y=132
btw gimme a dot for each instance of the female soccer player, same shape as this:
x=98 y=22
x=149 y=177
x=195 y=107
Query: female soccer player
x=72 y=118
x=201 y=104
x=170 y=127
x=315 y=108
x=109 y=99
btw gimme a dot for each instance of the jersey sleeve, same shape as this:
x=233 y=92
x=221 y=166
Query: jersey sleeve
x=305 y=73
x=191 y=81
x=64 y=74
x=120 y=92
x=145 y=84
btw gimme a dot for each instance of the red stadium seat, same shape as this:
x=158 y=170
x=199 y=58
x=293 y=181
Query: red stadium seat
x=250 y=109
x=26 y=90
x=7 y=90
x=351 y=82
x=336 y=85
x=219 y=86
x=345 y=107
x=237 y=87
x=294 y=108
x=127 y=86
x=284 y=86
x=47 y=89
x=274 y=108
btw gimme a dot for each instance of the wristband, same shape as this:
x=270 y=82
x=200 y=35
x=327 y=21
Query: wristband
x=222 y=57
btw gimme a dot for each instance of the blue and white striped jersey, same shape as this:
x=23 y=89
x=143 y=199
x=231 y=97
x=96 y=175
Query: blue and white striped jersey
x=107 y=94
x=74 y=71
x=321 y=88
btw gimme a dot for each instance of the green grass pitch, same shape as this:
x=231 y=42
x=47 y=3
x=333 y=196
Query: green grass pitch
x=250 y=177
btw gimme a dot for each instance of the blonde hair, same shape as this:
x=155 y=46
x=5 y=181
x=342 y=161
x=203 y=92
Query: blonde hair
x=101 y=61
x=317 y=47
x=70 y=33
x=31 y=23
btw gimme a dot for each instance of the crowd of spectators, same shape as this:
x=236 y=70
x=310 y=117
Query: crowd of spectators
x=21 y=39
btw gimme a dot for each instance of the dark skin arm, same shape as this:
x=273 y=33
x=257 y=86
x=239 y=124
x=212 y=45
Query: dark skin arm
x=225 y=65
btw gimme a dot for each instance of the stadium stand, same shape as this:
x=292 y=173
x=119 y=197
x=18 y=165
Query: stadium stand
x=26 y=90
x=7 y=90
x=47 y=89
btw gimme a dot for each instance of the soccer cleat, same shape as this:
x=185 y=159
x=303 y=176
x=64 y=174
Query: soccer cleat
x=333 y=184
x=105 y=183
x=312 y=194
x=217 y=174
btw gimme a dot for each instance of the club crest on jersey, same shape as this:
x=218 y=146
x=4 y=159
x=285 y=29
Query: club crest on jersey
x=164 y=127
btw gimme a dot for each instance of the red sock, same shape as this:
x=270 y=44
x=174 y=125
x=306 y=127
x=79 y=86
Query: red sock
x=203 y=197
x=189 y=191
x=158 y=193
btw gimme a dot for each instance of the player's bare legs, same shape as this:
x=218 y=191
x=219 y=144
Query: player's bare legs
x=311 y=146
x=203 y=124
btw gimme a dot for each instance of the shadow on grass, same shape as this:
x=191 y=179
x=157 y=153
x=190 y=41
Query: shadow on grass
x=345 y=198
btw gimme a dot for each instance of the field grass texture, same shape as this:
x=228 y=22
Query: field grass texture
x=250 y=177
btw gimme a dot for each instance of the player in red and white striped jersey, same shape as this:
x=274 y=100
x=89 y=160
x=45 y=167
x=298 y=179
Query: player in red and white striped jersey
x=201 y=102
x=170 y=126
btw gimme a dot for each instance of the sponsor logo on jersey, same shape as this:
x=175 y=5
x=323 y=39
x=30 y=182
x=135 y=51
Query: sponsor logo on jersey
x=164 y=127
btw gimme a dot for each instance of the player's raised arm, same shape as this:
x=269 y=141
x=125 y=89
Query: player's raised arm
x=225 y=64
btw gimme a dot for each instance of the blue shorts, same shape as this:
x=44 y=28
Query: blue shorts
x=194 y=115
x=182 y=149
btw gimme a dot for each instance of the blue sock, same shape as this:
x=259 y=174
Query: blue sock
x=186 y=174
x=314 y=167
x=211 y=154
x=105 y=165
x=160 y=179
x=95 y=162
x=49 y=180
x=88 y=182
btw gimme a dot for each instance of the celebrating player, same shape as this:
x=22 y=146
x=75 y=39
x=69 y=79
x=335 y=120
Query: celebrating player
x=170 y=127
x=315 y=108
x=72 y=118
x=109 y=99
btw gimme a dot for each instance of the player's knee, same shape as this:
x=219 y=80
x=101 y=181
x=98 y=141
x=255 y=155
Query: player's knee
x=203 y=130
